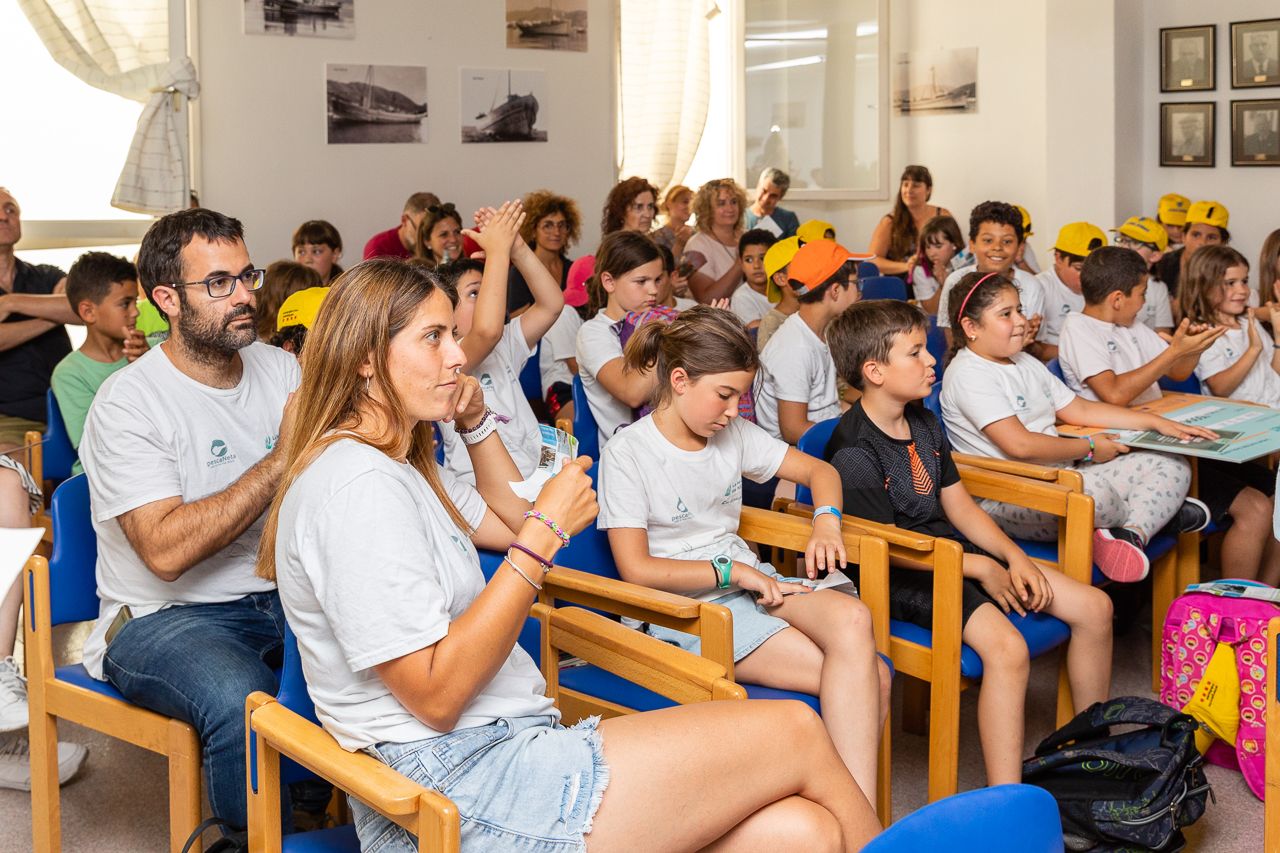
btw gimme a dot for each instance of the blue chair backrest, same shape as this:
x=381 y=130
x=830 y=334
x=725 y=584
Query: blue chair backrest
x=883 y=287
x=531 y=375
x=867 y=269
x=964 y=824
x=73 y=586
x=936 y=343
x=59 y=455
x=439 y=440
x=584 y=422
x=814 y=442
x=933 y=402
x=1190 y=385
x=1055 y=367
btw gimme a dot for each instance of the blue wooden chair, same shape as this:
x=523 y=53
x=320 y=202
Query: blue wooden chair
x=937 y=657
x=585 y=428
x=62 y=591
x=936 y=344
x=1003 y=819
x=867 y=269
x=50 y=455
x=531 y=375
x=883 y=287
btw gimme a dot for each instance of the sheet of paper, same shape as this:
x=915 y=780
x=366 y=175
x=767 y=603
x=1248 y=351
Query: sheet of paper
x=16 y=545
x=557 y=449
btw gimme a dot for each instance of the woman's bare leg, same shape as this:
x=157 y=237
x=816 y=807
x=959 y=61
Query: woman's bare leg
x=791 y=824
x=683 y=778
x=1002 y=696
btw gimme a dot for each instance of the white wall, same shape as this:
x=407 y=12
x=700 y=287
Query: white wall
x=1248 y=192
x=262 y=152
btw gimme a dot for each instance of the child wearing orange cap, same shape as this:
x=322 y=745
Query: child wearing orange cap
x=799 y=387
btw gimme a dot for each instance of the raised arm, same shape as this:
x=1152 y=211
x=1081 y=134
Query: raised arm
x=548 y=299
x=495 y=237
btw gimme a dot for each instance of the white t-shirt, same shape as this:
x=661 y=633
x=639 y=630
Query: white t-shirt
x=749 y=304
x=154 y=433
x=371 y=568
x=1029 y=292
x=1089 y=346
x=690 y=501
x=977 y=392
x=1059 y=301
x=797 y=368
x=1261 y=384
x=720 y=258
x=1156 y=311
x=499 y=377
x=598 y=344
x=683 y=304
x=559 y=344
x=923 y=284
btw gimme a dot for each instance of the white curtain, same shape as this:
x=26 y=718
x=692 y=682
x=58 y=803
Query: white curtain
x=122 y=47
x=664 y=86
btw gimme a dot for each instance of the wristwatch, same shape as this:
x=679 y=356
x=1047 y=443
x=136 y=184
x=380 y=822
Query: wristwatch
x=724 y=567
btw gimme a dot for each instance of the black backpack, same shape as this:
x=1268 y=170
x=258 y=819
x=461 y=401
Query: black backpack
x=1131 y=790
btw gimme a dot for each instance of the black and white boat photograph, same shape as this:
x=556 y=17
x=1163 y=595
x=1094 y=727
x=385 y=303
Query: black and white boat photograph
x=547 y=24
x=376 y=103
x=334 y=19
x=936 y=81
x=503 y=105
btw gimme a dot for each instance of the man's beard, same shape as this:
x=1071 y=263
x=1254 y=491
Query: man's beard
x=211 y=339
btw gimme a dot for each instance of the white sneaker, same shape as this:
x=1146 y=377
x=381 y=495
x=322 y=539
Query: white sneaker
x=15 y=762
x=13 y=697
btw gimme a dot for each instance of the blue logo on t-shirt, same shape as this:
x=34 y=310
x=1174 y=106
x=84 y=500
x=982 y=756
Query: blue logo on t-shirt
x=1111 y=346
x=218 y=448
x=682 y=511
x=1020 y=402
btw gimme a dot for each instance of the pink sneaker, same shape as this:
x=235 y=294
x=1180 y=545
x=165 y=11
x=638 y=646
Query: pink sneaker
x=1118 y=554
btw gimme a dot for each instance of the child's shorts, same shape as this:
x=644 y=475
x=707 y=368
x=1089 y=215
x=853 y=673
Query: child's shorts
x=911 y=593
x=1220 y=482
x=752 y=624
x=523 y=783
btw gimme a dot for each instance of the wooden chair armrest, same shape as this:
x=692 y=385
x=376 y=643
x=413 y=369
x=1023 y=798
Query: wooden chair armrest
x=33 y=457
x=895 y=536
x=1008 y=466
x=1042 y=495
x=616 y=596
x=361 y=775
x=635 y=656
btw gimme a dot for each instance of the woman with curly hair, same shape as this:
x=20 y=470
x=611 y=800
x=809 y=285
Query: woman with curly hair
x=552 y=224
x=712 y=252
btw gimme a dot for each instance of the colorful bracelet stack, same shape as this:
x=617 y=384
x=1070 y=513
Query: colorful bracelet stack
x=555 y=528
x=1088 y=457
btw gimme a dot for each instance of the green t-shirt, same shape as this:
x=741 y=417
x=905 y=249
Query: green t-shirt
x=75 y=380
x=152 y=324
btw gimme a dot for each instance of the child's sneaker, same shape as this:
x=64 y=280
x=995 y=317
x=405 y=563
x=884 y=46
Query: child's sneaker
x=1118 y=554
x=1193 y=516
x=13 y=697
x=15 y=762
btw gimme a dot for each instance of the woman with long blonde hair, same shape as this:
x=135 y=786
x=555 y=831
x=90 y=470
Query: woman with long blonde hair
x=412 y=657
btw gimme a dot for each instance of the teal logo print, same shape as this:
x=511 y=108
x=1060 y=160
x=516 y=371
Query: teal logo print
x=218 y=448
x=680 y=507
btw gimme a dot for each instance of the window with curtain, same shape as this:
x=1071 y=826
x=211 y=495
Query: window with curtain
x=813 y=94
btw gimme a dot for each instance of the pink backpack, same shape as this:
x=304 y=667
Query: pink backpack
x=1197 y=621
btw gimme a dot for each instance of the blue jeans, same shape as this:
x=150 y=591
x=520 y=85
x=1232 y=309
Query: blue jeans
x=198 y=662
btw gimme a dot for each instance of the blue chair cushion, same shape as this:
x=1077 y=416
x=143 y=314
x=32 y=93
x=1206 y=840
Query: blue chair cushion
x=339 y=839
x=79 y=676
x=1042 y=633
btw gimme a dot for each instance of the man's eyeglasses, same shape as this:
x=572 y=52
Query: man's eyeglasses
x=222 y=286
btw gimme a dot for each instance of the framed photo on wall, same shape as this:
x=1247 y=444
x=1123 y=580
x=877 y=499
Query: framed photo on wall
x=1255 y=133
x=1255 y=53
x=1187 y=58
x=1186 y=133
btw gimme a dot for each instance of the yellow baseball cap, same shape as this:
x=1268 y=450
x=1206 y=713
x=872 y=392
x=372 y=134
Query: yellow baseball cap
x=775 y=260
x=1026 y=221
x=1144 y=229
x=1208 y=213
x=1079 y=239
x=814 y=229
x=1172 y=209
x=301 y=308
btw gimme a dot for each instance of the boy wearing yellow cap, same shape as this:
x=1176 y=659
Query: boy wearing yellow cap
x=1026 y=258
x=799 y=377
x=815 y=229
x=297 y=315
x=1171 y=212
x=779 y=293
x=1206 y=225
x=1149 y=239
x=1061 y=283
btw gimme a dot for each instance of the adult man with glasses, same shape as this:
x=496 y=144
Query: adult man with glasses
x=183 y=453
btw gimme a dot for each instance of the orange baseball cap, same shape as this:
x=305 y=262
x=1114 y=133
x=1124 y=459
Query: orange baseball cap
x=816 y=262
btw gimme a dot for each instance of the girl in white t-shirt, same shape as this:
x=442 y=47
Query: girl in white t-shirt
x=496 y=350
x=411 y=656
x=1001 y=402
x=627 y=274
x=671 y=497
x=1243 y=364
x=940 y=241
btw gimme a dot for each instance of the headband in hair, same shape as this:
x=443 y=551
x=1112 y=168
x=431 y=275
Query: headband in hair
x=965 y=301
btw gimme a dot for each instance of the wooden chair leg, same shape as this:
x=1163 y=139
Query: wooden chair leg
x=884 y=777
x=46 y=805
x=184 y=785
x=944 y=737
x=915 y=706
x=1164 y=587
x=339 y=809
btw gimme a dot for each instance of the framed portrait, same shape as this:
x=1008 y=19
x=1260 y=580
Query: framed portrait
x=1187 y=58
x=1186 y=134
x=1255 y=133
x=1255 y=53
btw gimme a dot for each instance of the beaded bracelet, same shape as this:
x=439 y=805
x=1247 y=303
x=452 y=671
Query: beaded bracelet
x=1089 y=456
x=555 y=528
x=521 y=573
x=529 y=552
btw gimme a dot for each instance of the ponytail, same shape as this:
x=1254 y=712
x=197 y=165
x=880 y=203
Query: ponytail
x=642 y=349
x=701 y=341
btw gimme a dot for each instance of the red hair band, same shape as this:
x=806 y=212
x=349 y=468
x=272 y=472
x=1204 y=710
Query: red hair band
x=965 y=301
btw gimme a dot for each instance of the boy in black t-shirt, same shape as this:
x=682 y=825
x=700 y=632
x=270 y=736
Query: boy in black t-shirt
x=896 y=466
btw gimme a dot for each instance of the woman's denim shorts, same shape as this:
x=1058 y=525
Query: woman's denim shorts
x=524 y=784
x=752 y=624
